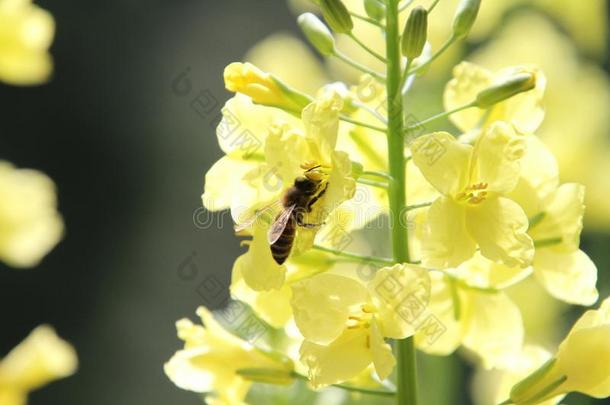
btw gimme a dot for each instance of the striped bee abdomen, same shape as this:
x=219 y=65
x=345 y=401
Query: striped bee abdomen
x=280 y=250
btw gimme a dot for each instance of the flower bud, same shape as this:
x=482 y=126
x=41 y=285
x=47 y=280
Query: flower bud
x=519 y=83
x=263 y=88
x=337 y=16
x=414 y=35
x=267 y=375
x=374 y=9
x=318 y=35
x=580 y=365
x=465 y=16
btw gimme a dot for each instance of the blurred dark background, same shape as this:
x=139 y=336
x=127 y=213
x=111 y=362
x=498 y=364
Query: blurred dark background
x=128 y=155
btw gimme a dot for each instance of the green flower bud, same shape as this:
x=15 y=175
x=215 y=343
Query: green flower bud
x=375 y=9
x=318 y=35
x=337 y=16
x=512 y=86
x=415 y=33
x=465 y=16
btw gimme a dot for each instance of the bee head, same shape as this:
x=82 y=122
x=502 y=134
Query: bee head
x=305 y=184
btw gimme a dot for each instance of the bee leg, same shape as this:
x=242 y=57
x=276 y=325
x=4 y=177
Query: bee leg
x=316 y=198
x=309 y=226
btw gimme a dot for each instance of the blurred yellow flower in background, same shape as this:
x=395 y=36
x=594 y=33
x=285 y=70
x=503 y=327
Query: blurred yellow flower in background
x=493 y=386
x=211 y=358
x=26 y=33
x=30 y=225
x=524 y=111
x=576 y=124
x=40 y=359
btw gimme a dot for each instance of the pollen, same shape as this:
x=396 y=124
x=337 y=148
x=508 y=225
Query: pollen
x=474 y=194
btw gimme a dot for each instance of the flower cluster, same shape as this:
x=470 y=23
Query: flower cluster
x=26 y=32
x=472 y=212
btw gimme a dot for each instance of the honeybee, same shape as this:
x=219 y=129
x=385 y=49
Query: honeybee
x=296 y=201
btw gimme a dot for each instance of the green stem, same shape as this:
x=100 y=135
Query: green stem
x=372 y=183
x=418 y=206
x=406 y=377
x=438 y=53
x=536 y=219
x=368 y=109
x=405 y=75
x=362 y=124
x=355 y=257
x=359 y=66
x=439 y=116
x=366 y=48
x=367 y=19
x=547 y=242
x=374 y=173
x=351 y=388
x=546 y=391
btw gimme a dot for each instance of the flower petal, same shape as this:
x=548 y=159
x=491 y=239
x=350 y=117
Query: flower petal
x=383 y=359
x=468 y=80
x=493 y=327
x=31 y=225
x=443 y=161
x=442 y=332
x=539 y=176
x=400 y=295
x=271 y=306
x=563 y=216
x=499 y=226
x=446 y=242
x=484 y=273
x=223 y=182
x=39 y=359
x=339 y=361
x=323 y=303
x=497 y=154
x=257 y=266
x=244 y=128
x=570 y=277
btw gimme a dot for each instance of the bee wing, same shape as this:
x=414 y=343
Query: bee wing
x=250 y=220
x=279 y=225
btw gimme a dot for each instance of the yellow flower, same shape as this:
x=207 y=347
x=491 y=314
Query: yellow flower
x=473 y=209
x=29 y=222
x=211 y=358
x=263 y=88
x=40 y=359
x=556 y=213
x=241 y=135
x=272 y=291
x=482 y=320
x=26 y=32
x=286 y=151
x=344 y=322
x=575 y=127
x=272 y=53
x=523 y=110
x=582 y=363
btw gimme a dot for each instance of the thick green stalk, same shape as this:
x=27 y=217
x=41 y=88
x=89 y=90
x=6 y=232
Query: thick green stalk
x=406 y=383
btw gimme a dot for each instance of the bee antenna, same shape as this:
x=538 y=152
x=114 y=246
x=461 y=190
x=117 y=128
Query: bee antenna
x=313 y=168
